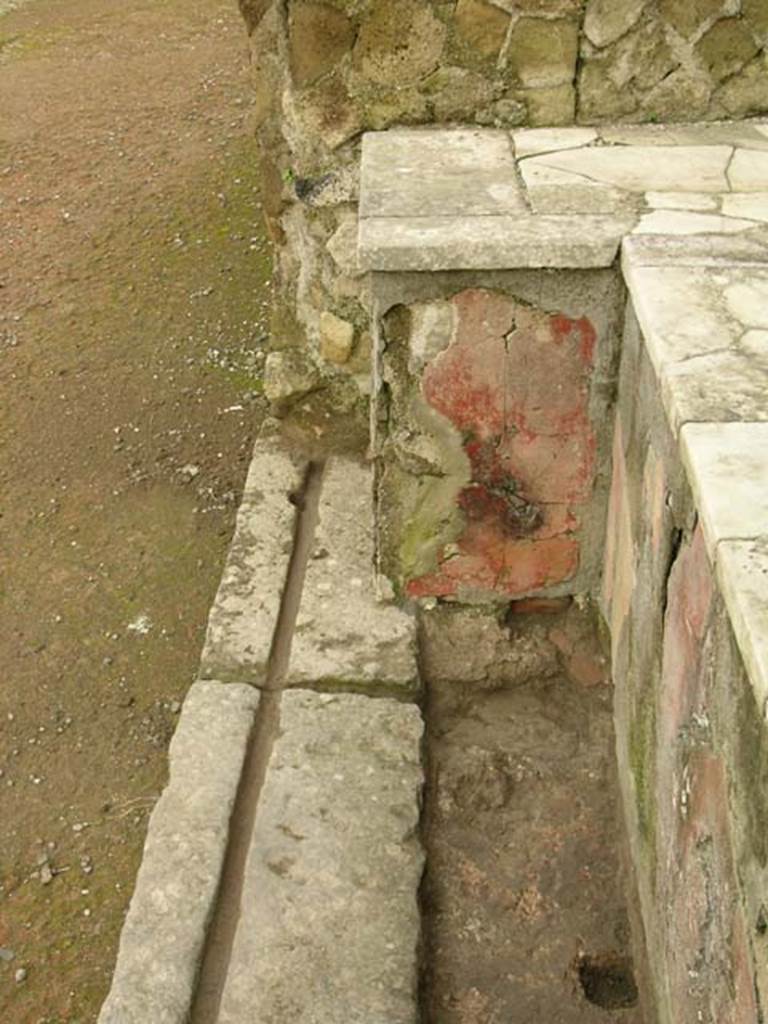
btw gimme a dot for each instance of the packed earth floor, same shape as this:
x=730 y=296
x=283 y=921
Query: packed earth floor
x=134 y=286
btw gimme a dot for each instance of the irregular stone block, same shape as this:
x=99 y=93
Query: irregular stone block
x=756 y=13
x=727 y=47
x=318 y=37
x=337 y=338
x=244 y=614
x=344 y=636
x=686 y=16
x=605 y=21
x=329 y=926
x=543 y=53
x=289 y=374
x=553 y=106
x=482 y=26
x=399 y=42
x=162 y=940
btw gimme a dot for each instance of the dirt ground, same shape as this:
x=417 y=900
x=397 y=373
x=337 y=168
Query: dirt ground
x=524 y=896
x=134 y=286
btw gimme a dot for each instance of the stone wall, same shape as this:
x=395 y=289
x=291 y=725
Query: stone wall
x=325 y=72
x=691 y=738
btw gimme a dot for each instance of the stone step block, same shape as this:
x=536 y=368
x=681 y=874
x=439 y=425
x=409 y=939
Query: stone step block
x=242 y=621
x=164 y=933
x=345 y=637
x=329 y=924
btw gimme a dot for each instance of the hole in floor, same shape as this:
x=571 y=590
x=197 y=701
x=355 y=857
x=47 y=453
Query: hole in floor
x=608 y=981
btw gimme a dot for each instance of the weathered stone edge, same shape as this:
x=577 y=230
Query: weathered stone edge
x=163 y=936
x=747 y=613
x=244 y=613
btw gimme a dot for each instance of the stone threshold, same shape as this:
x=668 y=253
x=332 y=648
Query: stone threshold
x=684 y=209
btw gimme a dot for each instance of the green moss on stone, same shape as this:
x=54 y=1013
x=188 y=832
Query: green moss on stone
x=642 y=761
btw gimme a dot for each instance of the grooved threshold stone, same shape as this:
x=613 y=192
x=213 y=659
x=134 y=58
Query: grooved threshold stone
x=345 y=637
x=242 y=620
x=162 y=940
x=329 y=922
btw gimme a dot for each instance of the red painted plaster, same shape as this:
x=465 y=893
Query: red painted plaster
x=515 y=381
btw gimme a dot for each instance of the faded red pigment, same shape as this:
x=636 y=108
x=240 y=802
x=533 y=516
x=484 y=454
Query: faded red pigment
x=515 y=381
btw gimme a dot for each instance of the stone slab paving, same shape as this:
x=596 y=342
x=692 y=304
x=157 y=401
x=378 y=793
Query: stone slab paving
x=329 y=927
x=244 y=614
x=162 y=940
x=434 y=199
x=345 y=638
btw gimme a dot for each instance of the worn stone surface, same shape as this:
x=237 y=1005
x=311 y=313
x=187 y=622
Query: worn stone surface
x=727 y=47
x=399 y=42
x=543 y=53
x=642 y=169
x=329 y=928
x=688 y=736
x=482 y=26
x=696 y=324
x=244 y=614
x=409 y=173
x=489 y=243
x=469 y=650
x=748 y=171
x=605 y=21
x=742 y=572
x=727 y=464
x=688 y=222
x=345 y=637
x=289 y=375
x=162 y=939
x=752 y=205
x=318 y=36
x=337 y=337
x=535 y=141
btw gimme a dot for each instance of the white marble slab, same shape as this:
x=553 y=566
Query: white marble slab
x=727 y=466
x=752 y=205
x=644 y=168
x=748 y=171
x=533 y=141
x=687 y=222
x=421 y=173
